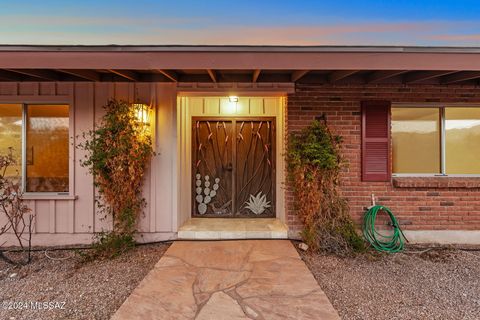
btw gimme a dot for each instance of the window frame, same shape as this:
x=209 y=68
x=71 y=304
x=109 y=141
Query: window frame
x=442 y=137
x=71 y=184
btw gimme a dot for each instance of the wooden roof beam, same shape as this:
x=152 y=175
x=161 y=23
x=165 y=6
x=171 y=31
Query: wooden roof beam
x=41 y=74
x=256 y=74
x=169 y=74
x=460 y=76
x=381 y=75
x=212 y=74
x=297 y=75
x=419 y=76
x=127 y=74
x=339 y=75
x=83 y=74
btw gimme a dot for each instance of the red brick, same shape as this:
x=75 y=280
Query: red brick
x=409 y=197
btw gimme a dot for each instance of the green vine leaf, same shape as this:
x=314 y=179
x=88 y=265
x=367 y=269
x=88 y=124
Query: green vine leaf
x=314 y=164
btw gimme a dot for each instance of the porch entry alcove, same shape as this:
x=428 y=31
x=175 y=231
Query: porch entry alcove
x=231 y=167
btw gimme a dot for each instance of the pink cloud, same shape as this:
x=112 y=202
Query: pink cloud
x=289 y=35
x=456 y=37
x=200 y=33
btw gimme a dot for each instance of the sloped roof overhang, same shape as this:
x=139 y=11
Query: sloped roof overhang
x=325 y=64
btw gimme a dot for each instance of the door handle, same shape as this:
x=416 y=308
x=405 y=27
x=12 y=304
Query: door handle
x=229 y=167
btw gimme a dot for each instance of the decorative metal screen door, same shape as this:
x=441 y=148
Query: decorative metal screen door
x=233 y=167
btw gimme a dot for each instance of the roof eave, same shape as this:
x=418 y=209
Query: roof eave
x=236 y=48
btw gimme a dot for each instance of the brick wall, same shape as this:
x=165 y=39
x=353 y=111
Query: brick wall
x=419 y=203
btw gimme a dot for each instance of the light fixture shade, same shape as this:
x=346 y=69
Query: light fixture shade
x=142 y=113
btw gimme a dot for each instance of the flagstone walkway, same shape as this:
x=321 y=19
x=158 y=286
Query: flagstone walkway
x=244 y=279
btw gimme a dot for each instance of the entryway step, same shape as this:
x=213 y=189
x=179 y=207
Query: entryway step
x=225 y=228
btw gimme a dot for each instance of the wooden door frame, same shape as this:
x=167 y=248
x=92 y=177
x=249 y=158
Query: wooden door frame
x=183 y=117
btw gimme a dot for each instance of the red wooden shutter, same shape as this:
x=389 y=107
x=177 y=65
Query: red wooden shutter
x=376 y=141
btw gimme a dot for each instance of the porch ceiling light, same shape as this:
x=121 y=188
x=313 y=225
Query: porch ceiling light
x=231 y=106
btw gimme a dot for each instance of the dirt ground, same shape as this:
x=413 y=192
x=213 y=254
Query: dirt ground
x=435 y=284
x=70 y=288
x=419 y=284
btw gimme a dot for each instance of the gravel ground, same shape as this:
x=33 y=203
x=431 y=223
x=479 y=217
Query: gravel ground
x=438 y=284
x=90 y=290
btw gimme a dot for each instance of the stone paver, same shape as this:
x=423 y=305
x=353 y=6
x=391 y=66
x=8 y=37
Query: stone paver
x=245 y=279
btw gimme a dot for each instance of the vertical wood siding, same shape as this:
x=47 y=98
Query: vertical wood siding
x=66 y=216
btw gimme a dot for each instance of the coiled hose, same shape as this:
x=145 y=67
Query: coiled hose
x=391 y=243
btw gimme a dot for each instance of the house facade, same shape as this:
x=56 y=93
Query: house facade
x=220 y=118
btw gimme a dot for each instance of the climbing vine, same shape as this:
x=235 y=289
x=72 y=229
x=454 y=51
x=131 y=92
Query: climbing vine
x=117 y=154
x=314 y=163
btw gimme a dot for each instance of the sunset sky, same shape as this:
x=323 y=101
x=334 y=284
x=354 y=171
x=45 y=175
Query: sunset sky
x=442 y=23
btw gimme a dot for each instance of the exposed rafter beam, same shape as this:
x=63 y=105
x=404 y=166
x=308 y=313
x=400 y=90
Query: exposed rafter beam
x=460 y=76
x=84 y=74
x=169 y=74
x=379 y=76
x=296 y=75
x=255 y=75
x=339 y=75
x=41 y=74
x=212 y=75
x=127 y=74
x=10 y=76
x=425 y=75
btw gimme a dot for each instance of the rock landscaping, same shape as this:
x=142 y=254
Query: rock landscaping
x=65 y=287
x=418 y=284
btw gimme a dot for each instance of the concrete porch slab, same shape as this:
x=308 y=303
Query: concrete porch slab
x=223 y=229
x=247 y=279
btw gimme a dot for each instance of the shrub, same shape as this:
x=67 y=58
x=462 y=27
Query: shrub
x=17 y=218
x=314 y=165
x=117 y=155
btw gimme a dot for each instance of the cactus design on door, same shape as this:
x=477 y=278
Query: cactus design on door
x=233 y=167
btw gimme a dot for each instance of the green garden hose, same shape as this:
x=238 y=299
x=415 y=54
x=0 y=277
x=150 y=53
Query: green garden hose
x=391 y=243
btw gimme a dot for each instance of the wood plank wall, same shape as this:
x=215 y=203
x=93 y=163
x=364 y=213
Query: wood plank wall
x=62 y=217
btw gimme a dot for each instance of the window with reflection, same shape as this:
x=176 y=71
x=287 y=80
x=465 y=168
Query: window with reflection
x=40 y=146
x=441 y=140
x=416 y=140
x=47 y=148
x=11 y=137
x=462 y=140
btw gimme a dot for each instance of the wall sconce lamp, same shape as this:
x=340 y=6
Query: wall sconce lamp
x=142 y=113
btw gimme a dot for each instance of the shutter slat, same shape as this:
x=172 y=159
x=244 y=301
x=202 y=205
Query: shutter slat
x=376 y=141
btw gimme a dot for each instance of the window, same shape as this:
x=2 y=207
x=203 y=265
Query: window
x=462 y=140
x=11 y=136
x=416 y=140
x=43 y=152
x=440 y=140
